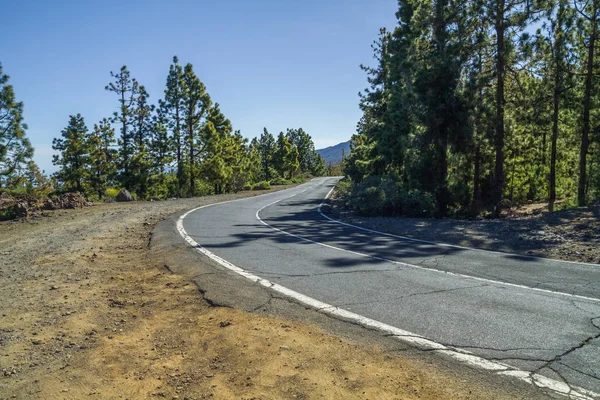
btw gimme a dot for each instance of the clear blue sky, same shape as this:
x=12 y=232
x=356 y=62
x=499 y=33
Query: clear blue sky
x=269 y=63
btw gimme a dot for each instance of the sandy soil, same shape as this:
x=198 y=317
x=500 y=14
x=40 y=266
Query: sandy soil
x=85 y=313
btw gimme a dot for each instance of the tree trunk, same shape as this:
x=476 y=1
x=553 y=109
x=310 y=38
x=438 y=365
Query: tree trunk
x=581 y=198
x=125 y=142
x=178 y=144
x=191 y=140
x=499 y=140
x=476 y=201
x=556 y=101
x=440 y=125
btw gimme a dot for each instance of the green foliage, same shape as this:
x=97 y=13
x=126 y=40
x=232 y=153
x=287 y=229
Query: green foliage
x=266 y=149
x=281 y=181
x=383 y=195
x=285 y=158
x=102 y=158
x=127 y=90
x=183 y=147
x=262 y=185
x=343 y=188
x=73 y=157
x=110 y=193
x=37 y=183
x=15 y=148
x=478 y=105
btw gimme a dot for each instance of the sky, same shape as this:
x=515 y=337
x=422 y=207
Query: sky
x=268 y=63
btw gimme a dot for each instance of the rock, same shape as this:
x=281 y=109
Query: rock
x=49 y=205
x=124 y=195
x=68 y=200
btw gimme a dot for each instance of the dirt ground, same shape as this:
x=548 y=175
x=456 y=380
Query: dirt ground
x=86 y=313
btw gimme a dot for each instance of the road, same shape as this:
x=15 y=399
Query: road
x=539 y=317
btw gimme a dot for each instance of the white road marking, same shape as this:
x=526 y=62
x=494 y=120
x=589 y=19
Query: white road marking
x=443 y=244
x=459 y=354
x=402 y=264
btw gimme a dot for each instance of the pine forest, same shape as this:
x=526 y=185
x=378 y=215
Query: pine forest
x=478 y=106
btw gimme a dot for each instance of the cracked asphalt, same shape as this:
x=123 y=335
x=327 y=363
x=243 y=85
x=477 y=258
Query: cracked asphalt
x=483 y=302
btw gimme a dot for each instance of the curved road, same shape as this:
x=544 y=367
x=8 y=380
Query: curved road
x=540 y=318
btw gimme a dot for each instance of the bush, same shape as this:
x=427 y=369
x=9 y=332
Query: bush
x=162 y=186
x=384 y=196
x=343 y=188
x=203 y=188
x=111 y=194
x=298 y=180
x=417 y=204
x=280 y=181
x=247 y=186
x=8 y=213
x=263 y=185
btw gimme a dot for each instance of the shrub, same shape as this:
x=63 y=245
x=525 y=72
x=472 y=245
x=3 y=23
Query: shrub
x=8 y=213
x=202 y=188
x=247 y=186
x=263 y=185
x=280 y=181
x=385 y=196
x=417 y=204
x=111 y=193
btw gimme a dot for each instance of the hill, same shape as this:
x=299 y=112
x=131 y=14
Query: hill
x=333 y=154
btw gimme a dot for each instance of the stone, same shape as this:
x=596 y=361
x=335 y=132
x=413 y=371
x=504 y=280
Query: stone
x=124 y=195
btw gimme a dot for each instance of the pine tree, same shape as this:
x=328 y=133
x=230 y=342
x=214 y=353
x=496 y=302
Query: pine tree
x=196 y=103
x=36 y=182
x=172 y=110
x=441 y=107
x=509 y=18
x=127 y=90
x=102 y=157
x=254 y=163
x=161 y=145
x=15 y=148
x=303 y=142
x=216 y=165
x=73 y=154
x=588 y=11
x=240 y=159
x=143 y=125
x=285 y=158
x=554 y=44
x=266 y=148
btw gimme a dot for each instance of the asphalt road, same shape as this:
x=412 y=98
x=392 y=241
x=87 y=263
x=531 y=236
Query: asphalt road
x=536 y=315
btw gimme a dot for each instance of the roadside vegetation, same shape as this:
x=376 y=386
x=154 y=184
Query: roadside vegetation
x=183 y=146
x=479 y=106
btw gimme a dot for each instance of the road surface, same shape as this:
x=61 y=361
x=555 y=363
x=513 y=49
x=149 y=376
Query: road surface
x=535 y=315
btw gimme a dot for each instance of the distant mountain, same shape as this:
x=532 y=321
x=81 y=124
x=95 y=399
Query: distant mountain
x=333 y=154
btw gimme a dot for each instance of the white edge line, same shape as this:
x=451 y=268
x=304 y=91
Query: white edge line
x=445 y=244
x=459 y=354
x=593 y=299
x=402 y=264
